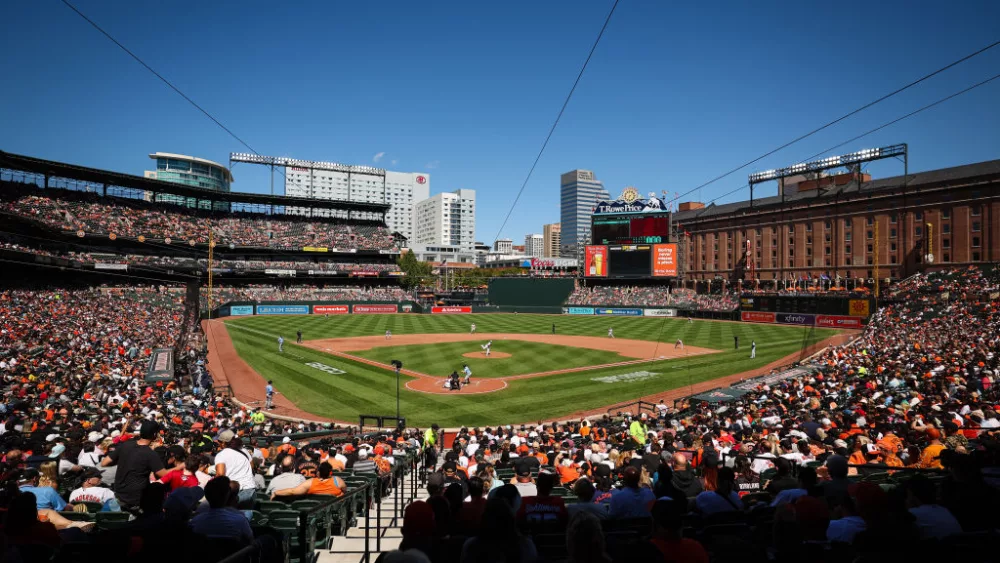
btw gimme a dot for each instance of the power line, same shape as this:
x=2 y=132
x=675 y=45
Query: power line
x=870 y=131
x=162 y=78
x=841 y=118
x=556 y=122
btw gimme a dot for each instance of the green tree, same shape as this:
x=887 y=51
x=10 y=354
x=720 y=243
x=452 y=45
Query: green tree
x=416 y=272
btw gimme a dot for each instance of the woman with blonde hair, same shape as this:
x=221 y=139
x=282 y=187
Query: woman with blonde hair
x=50 y=475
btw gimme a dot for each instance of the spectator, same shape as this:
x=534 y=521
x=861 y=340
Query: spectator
x=723 y=499
x=325 y=484
x=932 y=519
x=498 y=540
x=684 y=478
x=135 y=460
x=543 y=509
x=585 y=540
x=668 y=518
x=631 y=501
x=585 y=491
x=90 y=489
x=220 y=520
x=234 y=462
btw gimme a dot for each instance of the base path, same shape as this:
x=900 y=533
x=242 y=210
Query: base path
x=229 y=369
x=643 y=349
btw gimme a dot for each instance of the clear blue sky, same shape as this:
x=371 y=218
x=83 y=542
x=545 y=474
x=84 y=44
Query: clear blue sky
x=676 y=93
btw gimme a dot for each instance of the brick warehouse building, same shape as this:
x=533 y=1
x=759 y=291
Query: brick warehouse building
x=826 y=226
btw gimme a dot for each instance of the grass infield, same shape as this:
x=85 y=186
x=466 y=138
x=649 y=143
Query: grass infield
x=370 y=390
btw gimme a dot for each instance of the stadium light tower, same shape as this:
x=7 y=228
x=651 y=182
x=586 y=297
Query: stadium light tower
x=866 y=155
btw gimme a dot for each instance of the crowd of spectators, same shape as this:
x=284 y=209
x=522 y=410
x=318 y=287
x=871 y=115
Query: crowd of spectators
x=202 y=263
x=82 y=431
x=651 y=296
x=133 y=218
x=261 y=293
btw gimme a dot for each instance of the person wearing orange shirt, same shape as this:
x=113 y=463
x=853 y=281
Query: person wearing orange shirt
x=567 y=471
x=930 y=457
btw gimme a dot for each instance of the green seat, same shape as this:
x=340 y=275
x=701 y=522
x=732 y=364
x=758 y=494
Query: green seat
x=259 y=519
x=267 y=506
x=79 y=516
x=92 y=507
x=112 y=520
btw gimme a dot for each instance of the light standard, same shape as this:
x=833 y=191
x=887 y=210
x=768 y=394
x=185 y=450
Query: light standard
x=398 y=365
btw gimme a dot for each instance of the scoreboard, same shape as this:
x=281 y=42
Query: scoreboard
x=631 y=260
x=630 y=228
x=809 y=305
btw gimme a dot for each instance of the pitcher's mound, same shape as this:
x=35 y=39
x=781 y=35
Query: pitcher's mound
x=483 y=356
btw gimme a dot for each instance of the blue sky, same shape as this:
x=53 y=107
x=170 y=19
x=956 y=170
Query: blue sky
x=675 y=95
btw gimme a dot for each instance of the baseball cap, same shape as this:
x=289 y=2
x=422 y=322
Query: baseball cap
x=95 y=437
x=28 y=475
x=148 y=430
x=91 y=472
x=226 y=436
x=286 y=440
x=449 y=467
x=523 y=470
x=362 y=454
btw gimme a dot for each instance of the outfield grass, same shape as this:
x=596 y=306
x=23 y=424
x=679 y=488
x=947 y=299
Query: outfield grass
x=527 y=357
x=369 y=390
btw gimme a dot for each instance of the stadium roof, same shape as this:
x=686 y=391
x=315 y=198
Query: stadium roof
x=156 y=155
x=108 y=178
x=988 y=170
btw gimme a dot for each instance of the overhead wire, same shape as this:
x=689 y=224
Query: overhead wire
x=874 y=130
x=841 y=118
x=552 y=129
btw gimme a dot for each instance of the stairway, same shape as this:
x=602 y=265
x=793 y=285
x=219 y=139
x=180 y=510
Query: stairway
x=351 y=548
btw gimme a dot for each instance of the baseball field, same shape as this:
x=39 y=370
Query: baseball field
x=342 y=367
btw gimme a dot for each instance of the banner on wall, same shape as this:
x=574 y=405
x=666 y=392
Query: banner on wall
x=282 y=309
x=839 y=321
x=315 y=249
x=756 y=317
x=331 y=309
x=406 y=308
x=619 y=312
x=277 y=272
x=659 y=312
x=109 y=266
x=796 y=319
x=450 y=309
x=240 y=310
x=859 y=308
x=373 y=309
x=664 y=260
x=161 y=365
x=595 y=261
x=580 y=310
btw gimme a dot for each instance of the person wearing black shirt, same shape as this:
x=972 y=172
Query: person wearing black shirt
x=529 y=462
x=135 y=461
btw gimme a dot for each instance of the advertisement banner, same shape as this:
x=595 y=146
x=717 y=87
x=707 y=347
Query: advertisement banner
x=406 y=308
x=619 y=312
x=796 y=319
x=664 y=260
x=315 y=249
x=323 y=272
x=595 y=262
x=839 y=321
x=331 y=309
x=282 y=309
x=373 y=309
x=274 y=272
x=361 y=274
x=107 y=266
x=450 y=309
x=240 y=310
x=659 y=312
x=859 y=308
x=395 y=274
x=756 y=317
x=580 y=310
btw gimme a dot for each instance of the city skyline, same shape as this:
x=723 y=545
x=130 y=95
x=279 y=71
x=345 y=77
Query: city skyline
x=661 y=105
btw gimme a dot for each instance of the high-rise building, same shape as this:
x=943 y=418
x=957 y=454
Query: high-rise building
x=189 y=171
x=447 y=218
x=328 y=180
x=503 y=246
x=534 y=245
x=552 y=240
x=579 y=194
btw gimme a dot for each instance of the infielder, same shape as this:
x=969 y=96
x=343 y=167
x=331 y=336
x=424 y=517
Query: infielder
x=472 y=329
x=611 y=333
x=679 y=344
x=388 y=335
x=281 y=344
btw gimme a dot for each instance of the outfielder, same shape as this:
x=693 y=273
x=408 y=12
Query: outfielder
x=611 y=332
x=281 y=344
x=472 y=329
x=753 y=349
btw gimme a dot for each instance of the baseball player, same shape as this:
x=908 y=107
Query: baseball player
x=388 y=335
x=679 y=344
x=611 y=332
x=472 y=329
x=753 y=349
x=281 y=344
x=486 y=347
x=468 y=374
x=298 y=337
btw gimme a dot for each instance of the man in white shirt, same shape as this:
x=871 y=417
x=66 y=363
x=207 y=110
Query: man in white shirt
x=91 y=489
x=234 y=462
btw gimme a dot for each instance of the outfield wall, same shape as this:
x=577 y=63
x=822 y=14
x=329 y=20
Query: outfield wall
x=528 y=295
x=246 y=308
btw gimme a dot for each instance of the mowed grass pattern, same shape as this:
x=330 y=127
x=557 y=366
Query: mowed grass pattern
x=370 y=390
x=527 y=357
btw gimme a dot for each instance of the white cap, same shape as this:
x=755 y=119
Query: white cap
x=51 y=437
x=362 y=453
x=286 y=440
x=95 y=437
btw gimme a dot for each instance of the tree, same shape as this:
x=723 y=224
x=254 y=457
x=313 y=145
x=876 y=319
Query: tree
x=416 y=272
